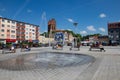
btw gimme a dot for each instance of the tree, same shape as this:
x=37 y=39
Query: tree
x=87 y=36
x=68 y=31
x=46 y=34
x=78 y=36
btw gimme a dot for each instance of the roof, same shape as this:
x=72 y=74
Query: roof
x=19 y=21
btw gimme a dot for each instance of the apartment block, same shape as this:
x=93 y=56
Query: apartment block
x=114 y=32
x=17 y=31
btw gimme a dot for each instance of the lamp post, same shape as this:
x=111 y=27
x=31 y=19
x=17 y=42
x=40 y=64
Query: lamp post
x=50 y=34
x=75 y=40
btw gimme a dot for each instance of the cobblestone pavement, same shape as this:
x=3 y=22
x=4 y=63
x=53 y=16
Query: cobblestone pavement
x=105 y=67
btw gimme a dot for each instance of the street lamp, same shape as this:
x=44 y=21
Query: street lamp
x=75 y=40
x=50 y=34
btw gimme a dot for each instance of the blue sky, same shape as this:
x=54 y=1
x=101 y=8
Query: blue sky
x=92 y=16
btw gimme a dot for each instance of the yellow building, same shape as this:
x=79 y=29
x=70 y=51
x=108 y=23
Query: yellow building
x=44 y=40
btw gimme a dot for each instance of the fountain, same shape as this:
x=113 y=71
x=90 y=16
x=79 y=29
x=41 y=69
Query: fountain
x=45 y=60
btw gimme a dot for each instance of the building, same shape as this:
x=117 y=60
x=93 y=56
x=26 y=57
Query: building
x=45 y=40
x=16 y=31
x=51 y=25
x=98 y=39
x=93 y=39
x=114 y=32
x=103 y=39
x=52 y=29
x=68 y=37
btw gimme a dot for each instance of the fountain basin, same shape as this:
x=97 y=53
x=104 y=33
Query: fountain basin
x=45 y=60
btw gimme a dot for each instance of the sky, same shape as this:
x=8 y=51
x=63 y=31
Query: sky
x=92 y=16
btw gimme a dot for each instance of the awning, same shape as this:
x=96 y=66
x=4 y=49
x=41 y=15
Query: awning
x=10 y=40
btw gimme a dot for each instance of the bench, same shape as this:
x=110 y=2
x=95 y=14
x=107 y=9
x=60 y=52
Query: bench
x=25 y=49
x=96 y=47
x=8 y=51
x=57 y=47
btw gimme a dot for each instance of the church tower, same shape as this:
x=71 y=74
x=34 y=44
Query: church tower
x=51 y=25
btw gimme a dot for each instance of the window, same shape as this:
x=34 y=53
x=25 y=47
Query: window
x=12 y=31
x=26 y=32
x=111 y=31
x=8 y=21
x=27 y=29
x=26 y=36
x=13 y=36
x=117 y=36
x=13 y=27
x=23 y=37
x=8 y=30
x=22 y=28
x=33 y=30
x=2 y=30
x=3 y=25
x=18 y=32
x=119 y=25
x=13 y=22
x=22 y=33
x=3 y=20
x=8 y=25
x=2 y=34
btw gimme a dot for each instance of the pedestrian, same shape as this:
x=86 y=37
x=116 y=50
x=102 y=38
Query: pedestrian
x=101 y=47
x=13 y=49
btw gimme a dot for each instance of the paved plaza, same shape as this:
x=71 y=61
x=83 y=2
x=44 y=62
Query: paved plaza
x=106 y=66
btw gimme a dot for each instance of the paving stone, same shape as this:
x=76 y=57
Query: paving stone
x=105 y=67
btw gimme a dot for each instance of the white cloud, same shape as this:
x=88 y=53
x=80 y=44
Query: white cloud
x=70 y=20
x=29 y=11
x=102 y=29
x=0 y=16
x=91 y=28
x=83 y=32
x=102 y=15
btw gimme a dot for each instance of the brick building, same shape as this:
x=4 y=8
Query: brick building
x=51 y=25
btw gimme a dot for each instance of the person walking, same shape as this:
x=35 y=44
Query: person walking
x=13 y=49
x=101 y=47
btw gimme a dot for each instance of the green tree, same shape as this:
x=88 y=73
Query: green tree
x=87 y=36
x=46 y=34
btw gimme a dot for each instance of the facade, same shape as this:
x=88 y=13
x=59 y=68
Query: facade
x=93 y=39
x=114 y=32
x=16 y=31
x=99 y=39
x=44 y=40
x=68 y=37
x=20 y=32
x=103 y=39
x=52 y=29
x=51 y=25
